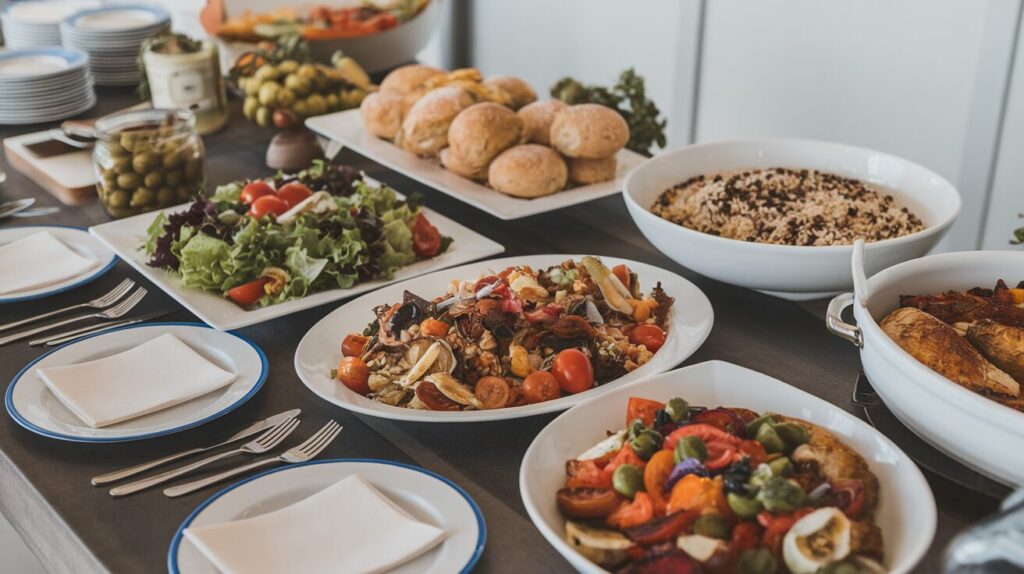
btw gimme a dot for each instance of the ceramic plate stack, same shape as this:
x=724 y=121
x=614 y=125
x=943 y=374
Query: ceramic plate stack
x=36 y=23
x=112 y=37
x=44 y=84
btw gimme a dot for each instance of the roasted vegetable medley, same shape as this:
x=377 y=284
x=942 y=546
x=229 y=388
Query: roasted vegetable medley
x=688 y=489
x=517 y=337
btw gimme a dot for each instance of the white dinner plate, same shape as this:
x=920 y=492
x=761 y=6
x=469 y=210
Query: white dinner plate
x=347 y=128
x=427 y=496
x=125 y=236
x=32 y=405
x=319 y=351
x=906 y=507
x=77 y=240
x=31 y=65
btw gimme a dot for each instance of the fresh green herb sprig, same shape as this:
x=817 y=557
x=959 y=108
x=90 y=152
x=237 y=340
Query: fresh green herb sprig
x=1018 y=234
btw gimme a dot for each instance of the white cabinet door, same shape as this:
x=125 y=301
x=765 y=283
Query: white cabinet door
x=923 y=79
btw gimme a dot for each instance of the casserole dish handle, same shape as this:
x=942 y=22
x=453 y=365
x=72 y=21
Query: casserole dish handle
x=835 y=324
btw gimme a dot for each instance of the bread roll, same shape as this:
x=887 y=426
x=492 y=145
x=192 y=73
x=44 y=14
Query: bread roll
x=589 y=131
x=537 y=118
x=425 y=128
x=407 y=78
x=519 y=92
x=528 y=171
x=382 y=113
x=588 y=171
x=459 y=166
x=482 y=131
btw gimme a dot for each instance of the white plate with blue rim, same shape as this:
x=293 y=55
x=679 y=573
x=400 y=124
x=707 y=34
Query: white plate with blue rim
x=77 y=240
x=30 y=65
x=426 y=495
x=31 y=404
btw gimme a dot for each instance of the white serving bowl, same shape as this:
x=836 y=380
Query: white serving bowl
x=979 y=432
x=906 y=507
x=791 y=272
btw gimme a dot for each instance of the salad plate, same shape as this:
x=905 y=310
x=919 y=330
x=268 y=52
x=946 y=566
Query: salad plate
x=77 y=240
x=347 y=128
x=686 y=326
x=33 y=406
x=905 y=511
x=127 y=237
x=427 y=496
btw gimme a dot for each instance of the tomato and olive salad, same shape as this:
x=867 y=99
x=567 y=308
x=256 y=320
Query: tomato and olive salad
x=517 y=337
x=264 y=241
x=692 y=490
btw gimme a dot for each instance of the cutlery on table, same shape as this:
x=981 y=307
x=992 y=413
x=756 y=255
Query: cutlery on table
x=115 y=312
x=102 y=302
x=9 y=208
x=263 y=443
x=313 y=446
x=247 y=432
x=36 y=212
x=67 y=336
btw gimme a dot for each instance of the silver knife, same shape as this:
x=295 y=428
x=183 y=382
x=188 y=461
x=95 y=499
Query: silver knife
x=244 y=433
x=61 y=338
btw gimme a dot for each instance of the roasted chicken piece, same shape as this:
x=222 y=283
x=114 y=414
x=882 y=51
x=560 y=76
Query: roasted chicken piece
x=1000 y=344
x=944 y=351
x=956 y=307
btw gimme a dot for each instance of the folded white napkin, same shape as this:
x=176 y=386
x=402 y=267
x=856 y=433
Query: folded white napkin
x=39 y=260
x=157 y=374
x=348 y=527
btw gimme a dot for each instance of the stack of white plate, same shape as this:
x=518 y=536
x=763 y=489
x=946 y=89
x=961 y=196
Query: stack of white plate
x=112 y=36
x=36 y=23
x=44 y=84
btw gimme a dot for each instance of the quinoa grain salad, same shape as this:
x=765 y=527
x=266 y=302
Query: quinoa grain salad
x=786 y=207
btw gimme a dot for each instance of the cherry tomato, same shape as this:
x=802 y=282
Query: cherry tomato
x=754 y=450
x=643 y=409
x=426 y=239
x=587 y=502
x=745 y=536
x=777 y=525
x=248 y=293
x=573 y=371
x=586 y=474
x=720 y=455
x=354 y=373
x=540 y=386
x=621 y=272
x=429 y=395
x=293 y=193
x=353 y=345
x=650 y=336
x=848 y=494
x=433 y=328
x=255 y=190
x=662 y=529
x=634 y=513
x=626 y=455
x=268 y=204
x=492 y=392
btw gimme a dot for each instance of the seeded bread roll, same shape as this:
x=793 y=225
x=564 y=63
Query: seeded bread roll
x=588 y=171
x=589 y=131
x=425 y=128
x=519 y=92
x=454 y=163
x=482 y=131
x=528 y=171
x=382 y=113
x=407 y=78
x=537 y=119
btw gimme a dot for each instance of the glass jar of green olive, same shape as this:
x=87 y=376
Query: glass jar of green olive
x=148 y=159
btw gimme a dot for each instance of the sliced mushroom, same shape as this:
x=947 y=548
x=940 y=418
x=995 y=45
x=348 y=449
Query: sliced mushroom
x=426 y=357
x=454 y=389
x=604 y=547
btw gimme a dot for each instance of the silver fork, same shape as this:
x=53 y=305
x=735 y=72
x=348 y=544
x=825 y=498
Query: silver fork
x=313 y=446
x=99 y=303
x=112 y=313
x=266 y=441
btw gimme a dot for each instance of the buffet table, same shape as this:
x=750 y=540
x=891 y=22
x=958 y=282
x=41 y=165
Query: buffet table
x=74 y=527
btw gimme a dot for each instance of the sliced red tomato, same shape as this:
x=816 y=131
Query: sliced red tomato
x=634 y=513
x=720 y=454
x=434 y=399
x=588 y=502
x=752 y=449
x=745 y=536
x=724 y=419
x=248 y=293
x=624 y=456
x=662 y=529
x=268 y=204
x=255 y=190
x=705 y=432
x=643 y=409
x=848 y=494
x=777 y=525
x=586 y=474
x=426 y=239
x=293 y=193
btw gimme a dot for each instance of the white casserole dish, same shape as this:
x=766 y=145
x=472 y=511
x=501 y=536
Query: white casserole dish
x=979 y=432
x=791 y=272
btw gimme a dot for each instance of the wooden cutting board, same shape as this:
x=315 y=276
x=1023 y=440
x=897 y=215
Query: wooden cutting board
x=68 y=174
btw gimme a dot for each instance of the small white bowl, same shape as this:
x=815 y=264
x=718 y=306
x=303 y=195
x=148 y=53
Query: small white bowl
x=790 y=272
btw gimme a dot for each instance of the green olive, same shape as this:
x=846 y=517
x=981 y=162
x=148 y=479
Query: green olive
x=129 y=181
x=755 y=425
x=793 y=434
x=142 y=162
x=769 y=439
x=839 y=568
x=645 y=445
x=757 y=561
x=781 y=466
x=297 y=84
x=108 y=179
x=691 y=447
x=250 y=106
x=677 y=409
x=263 y=116
x=115 y=148
x=172 y=159
x=781 y=495
x=118 y=199
x=143 y=197
x=744 y=507
x=761 y=475
x=121 y=163
x=128 y=142
x=119 y=212
x=165 y=196
x=185 y=192
x=193 y=170
x=154 y=179
x=268 y=94
x=627 y=480
x=173 y=178
x=712 y=526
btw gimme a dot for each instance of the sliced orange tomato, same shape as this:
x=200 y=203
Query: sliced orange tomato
x=643 y=409
x=624 y=456
x=699 y=493
x=720 y=454
x=634 y=513
x=248 y=293
x=586 y=474
x=656 y=474
x=754 y=450
x=706 y=433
